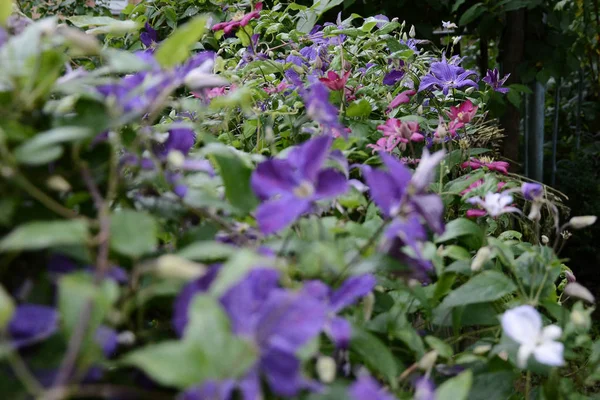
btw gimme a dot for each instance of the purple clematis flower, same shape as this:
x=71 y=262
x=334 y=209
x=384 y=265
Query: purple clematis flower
x=278 y=321
x=492 y=78
x=393 y=76
x=31 y=324
x=338 y=328
x=424 y=389
x=367 y=388
x=179 y=139
x=289 y=187
x=149 y=37
x=319 y=109
x=381 y=20
x=532 y=191
x=445 y=76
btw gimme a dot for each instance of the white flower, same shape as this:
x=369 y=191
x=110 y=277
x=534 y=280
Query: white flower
x=495 y=204
x=449 y=25
x=523 y=324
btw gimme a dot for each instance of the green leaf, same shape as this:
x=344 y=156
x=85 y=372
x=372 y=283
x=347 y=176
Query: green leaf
x=472 y=14
x=104 y=25
x=442 y=348
x=176 y=48
x=207 y=251
x=7 y=308
x=45 y=146
x=40 y=235
x=6 y=8
x=375 y=354
x=456 y=5
x=133 y=233
x=456 y=388
x=493 y=386
x=484 y=287
x=359 y=108
x=463 y=228
x=208 y=350
x=306 y=20
x=389 y=27
x=236 y=178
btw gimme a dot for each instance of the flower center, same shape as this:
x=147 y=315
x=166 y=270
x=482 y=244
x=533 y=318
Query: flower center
x=304 y=190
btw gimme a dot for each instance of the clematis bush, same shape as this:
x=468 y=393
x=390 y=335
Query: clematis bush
x=260 y=204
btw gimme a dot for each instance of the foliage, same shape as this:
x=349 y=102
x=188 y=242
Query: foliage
x=255 y=202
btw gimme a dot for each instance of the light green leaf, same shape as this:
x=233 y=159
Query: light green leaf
x=236 y=178
x=484 y=287
x=6 y=8
x=442 y=348
x=39 y=235
x=359 y=108
x=456 y=388
x=207 y=251
x=133 y=233
x=104 y=25
x=7 y=308
x=375 y=354
x=176 y=48
x=44 y=147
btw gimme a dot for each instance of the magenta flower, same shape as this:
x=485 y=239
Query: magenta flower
x=500 y=166
x=289 y=187
x=335 y=82
x=397 y=132
x=445 y=76
x=386 y=144
x=281 y=87
x=477 y=184
x=463 y=113
x=492 y=78
x=402 y=98
x=238 y=22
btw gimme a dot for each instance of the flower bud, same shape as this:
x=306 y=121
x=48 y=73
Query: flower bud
x=172 y=266
x=368 y=304
x=175 y=158
x=86 y=44
x=570 y=277
x=469 y=90
x=126 y=338
x=582 y=222
x=404 y=37
x=482 y=349
x=579 y=291
x=482 y=256
x=318 y=63
x=412 y=33
x=58 y=184
x=428 y=360
x=545 y=240
x=456 y=39
x=326 y=369
x=503 y=355
x=198 y=79
x=420 y=109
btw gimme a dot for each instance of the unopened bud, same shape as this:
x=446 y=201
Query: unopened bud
x=428 y=360
x=582 y=222
x=482 y=349
x=469 y=90
x=456 y=39
x=326 y=369
x=318 y=63
x=126 y=338
x=116 y=27
x=570 y=277
x=482 y=256
x=175 y=158
x=420 y=109
x=503 y=355
x=545 y=240
x=579 y=291
x=58 y=184
x=172 y=266
x=579 y=319
x=86 y=44
x=412 y=32
x=368 y=304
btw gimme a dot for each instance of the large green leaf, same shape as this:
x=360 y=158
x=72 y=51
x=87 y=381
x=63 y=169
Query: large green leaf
x=39 y=235
x=484 y=287
x=236 y=178
x=456 y=388
x=133 y=233
x=359 y=108
x=493 y=386
x=176 y=48
x=465 y=229
x=375 y=354
x=6 y=7
x=472 y=14
x=45 y=146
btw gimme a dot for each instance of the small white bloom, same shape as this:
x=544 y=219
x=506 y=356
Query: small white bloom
x=412 y=32
x=456 y=39
x=326 y=369
x=495 y=204
x=449 y=25
x=523 y=324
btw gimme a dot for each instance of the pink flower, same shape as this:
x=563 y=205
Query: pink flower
x=478 y=183
x=386 y=144
x=475 y=213
x=463 y=113
x=334 y=81
x=238 y=22
x=453 y=126
x=281 y=87
x=402 y=98
x=500 y=166
x=398 y=133
x=336 y=133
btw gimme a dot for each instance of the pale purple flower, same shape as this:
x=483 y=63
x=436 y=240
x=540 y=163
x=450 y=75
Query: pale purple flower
x=424 y=389
x=319 y=109
x=445 y=76
x=367 y=388
x=523 y=324
x=289 y=187
x=493 y=79
x=532 y=191
x=495 y=204
x=381 y=20
x=179 y=139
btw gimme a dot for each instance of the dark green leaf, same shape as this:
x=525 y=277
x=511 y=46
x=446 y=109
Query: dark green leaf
x=472 y=14
x=484 y=287
x=39 y=235
x=456 y=388
x=461 y=228
x=375 y=354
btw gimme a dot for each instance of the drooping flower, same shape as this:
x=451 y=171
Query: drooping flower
x=492 y=78
x=445 y=76
x=238 y=21
x=500 y=166
x=402 y=98
x=495 y=204
x=335 y=82
x=449 y=25
x=289 y=187
x=532 y=191
x=464 y=112
x=319 y=109
x=523 y=324
x=367 y=388
x=32 y=323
